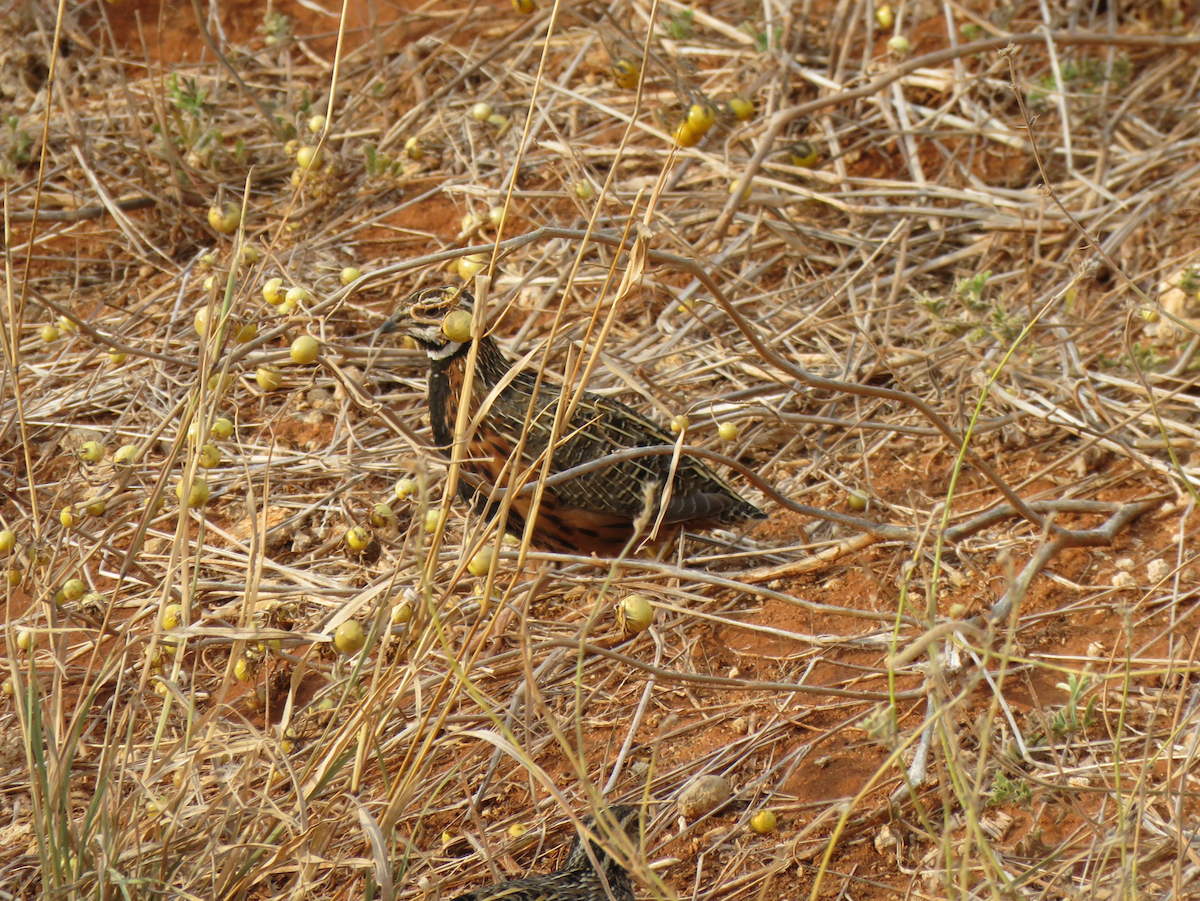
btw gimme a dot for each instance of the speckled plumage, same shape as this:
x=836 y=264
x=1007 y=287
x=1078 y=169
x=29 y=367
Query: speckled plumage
x=595 y=511
x=577 y=880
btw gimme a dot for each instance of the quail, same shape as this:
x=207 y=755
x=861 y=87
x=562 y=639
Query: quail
x=598 y=511
x=579 y=879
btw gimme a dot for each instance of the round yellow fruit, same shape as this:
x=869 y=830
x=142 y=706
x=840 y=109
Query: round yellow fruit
x=700 y=118
x=899 y=44
x=727 y=431
x=225 y=219
x=305 y=349
x=316 y=124
x=26 y=639
x=405 y=488
x=433 y=519
x=764 y=822
x=126 y=455
x=271 y=293
x=635 y=613
x=482 y=561
x=221 y=429
x=198 y=495
x=269 y=377
x=686 y=136
x=350 y=274
x=242 y=670
x=349 y=637
x=885 y=16
x=172 y=616
x=92 y=452
x=73 y=589
x=742 y=109
x=625 y=73
x=803 y=154
x=481 y=111
x=210 y=457
x=414 y=149
x=470 y=266
x=67 y=517
x=49 y=333
x=8 y=541
x=96 y=507
x=524 y=7
x=457 y=326
x=116 y=358
x=857 y=500
x=358 y=538
x=679 y=423
x=308 y=158
x=381 y=515
x=296 y=295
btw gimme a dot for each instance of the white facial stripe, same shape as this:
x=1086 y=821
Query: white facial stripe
x=449 y=349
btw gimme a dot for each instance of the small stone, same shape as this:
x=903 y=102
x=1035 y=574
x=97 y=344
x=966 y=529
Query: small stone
x=1123 y=580
x=1158 y=570
x=703 y=795
x=1126 y=564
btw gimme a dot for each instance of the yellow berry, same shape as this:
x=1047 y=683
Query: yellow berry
x=625 y=73
x=67 y=325
x=482 y=561
x=899 y=44
x=742 y=109
x=803 y=154
x=727 y=431
x=884 y=16
x=221 y=429
x=470 y=266
x=584 y=190
x=96 y=507
x=349 y=637
x=67 y=517
x=700 y=118
x=92 y=452
x=433 y=519
x=26 y=639
x=245 y=332
x=210 y=457
x=126 y=455
x=250 y=255
x=481 y=111
x=305 y=349
x=358 y=538
x=172 y=616
x=350 y=274
x=200 y=321
x=414 y=149
x=686 y=136
x=49 y=333
x=271 y=293
x=857 y=500
x=516 y=830
x=225 y=219
x=9 y=687
x=498 y=122
x=524 y=7
x=242 y=670
x=73 y=589
x=308 y=158
x=8 y=541
x=764 y=822
x=269 y=377
x=117 y=358
x=679 y=423
x=457 y=326
x=296 y=295
x=198 y=495
x=405 y=488
x=14 y=577
x=496 y=216
x=401 y=613
x=316 y=124
x=381 y=515
x=635 y=613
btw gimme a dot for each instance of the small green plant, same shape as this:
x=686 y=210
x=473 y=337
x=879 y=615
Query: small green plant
x=381 y=163
x=761 y=42
x=189 y=108
x=1084 y=76
x=680 y=25
x=1005 y=790
x=277 y=28
x=19 y=141
x=970 y=290
x=1070 y=720
x=1147 y=357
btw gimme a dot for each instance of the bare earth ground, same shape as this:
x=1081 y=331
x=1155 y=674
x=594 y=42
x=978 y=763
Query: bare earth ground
x=928 y=714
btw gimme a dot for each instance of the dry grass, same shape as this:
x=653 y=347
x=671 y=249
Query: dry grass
x=960 y=692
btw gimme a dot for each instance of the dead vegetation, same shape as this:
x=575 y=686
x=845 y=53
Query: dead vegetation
x=959 y=660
